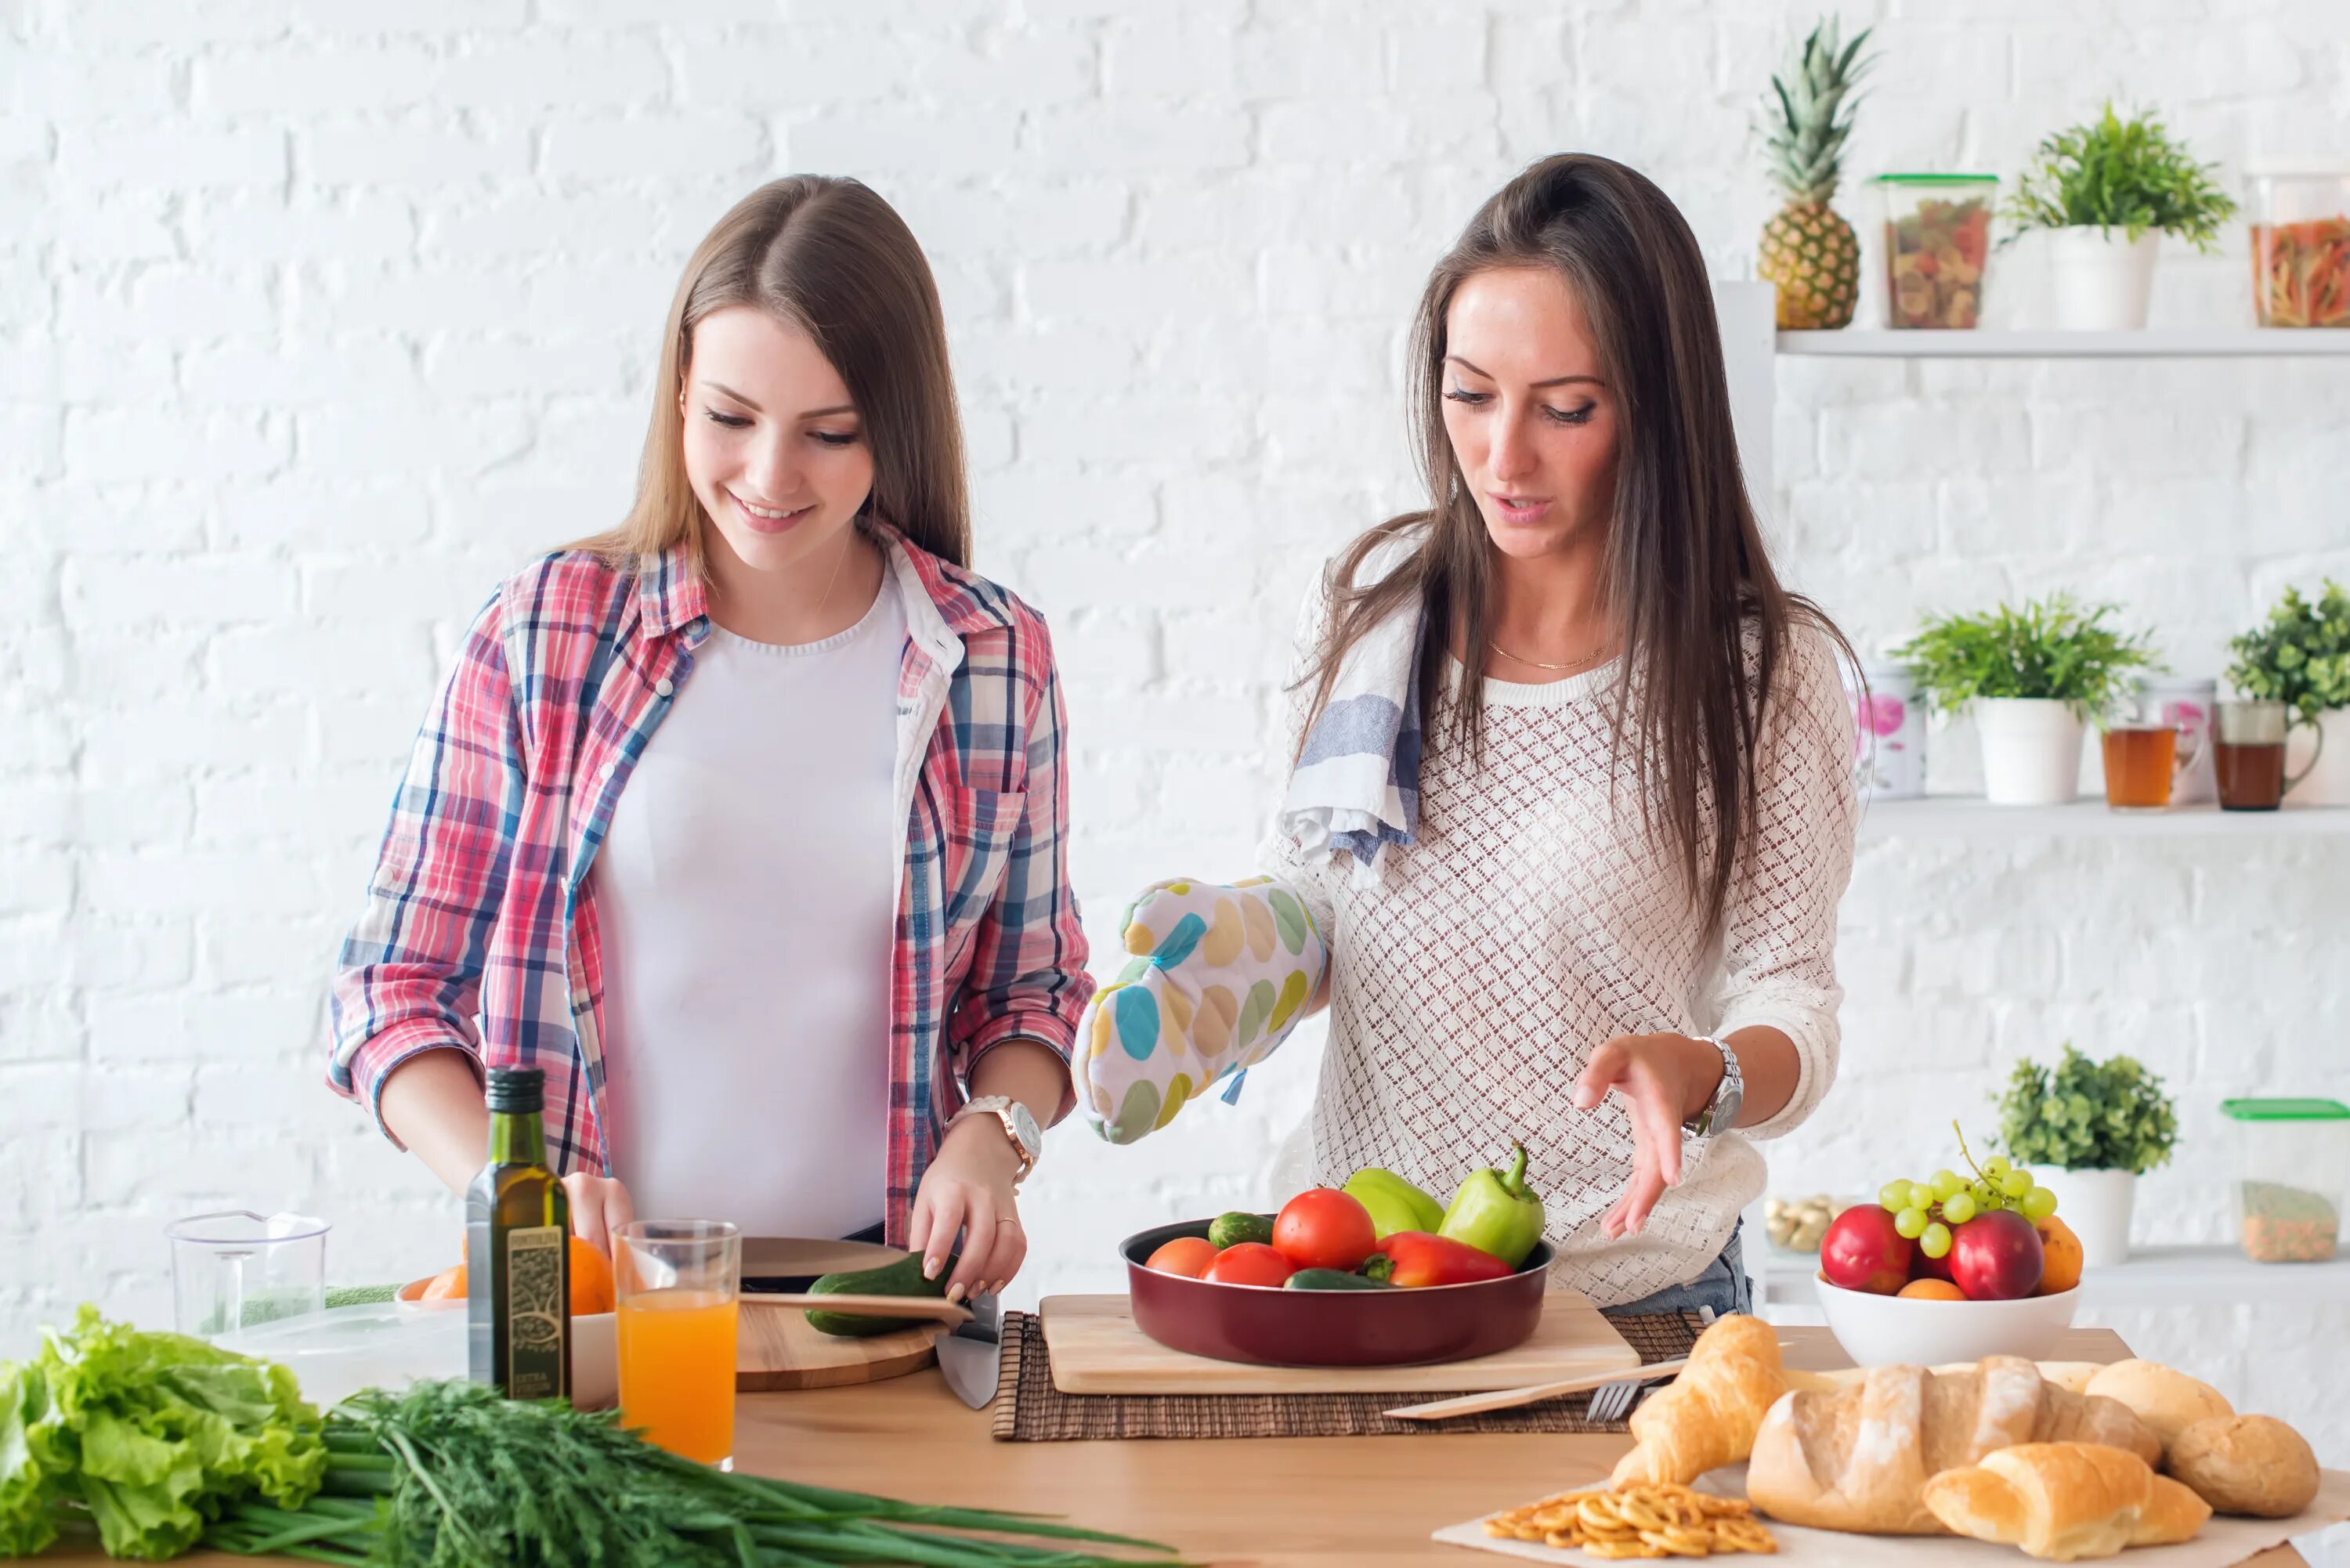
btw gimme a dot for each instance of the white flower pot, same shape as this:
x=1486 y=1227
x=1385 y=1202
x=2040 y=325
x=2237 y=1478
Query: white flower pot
x=2328 y=782
x=2094 y=1206
x=2103 y=278
x=2031 y=750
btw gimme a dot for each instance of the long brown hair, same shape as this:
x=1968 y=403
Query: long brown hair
x=1705 y=622
x=834 y=260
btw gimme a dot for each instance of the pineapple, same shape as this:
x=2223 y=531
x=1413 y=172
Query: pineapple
x=1807 y=249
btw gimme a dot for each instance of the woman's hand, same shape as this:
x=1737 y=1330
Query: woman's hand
x=1664 y=1079
x=599 y=1207
x=968 y=1187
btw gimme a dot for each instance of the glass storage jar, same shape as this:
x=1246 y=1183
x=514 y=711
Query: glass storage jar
x=2293 y=1173
x=2300 y=244
x=1937 y=248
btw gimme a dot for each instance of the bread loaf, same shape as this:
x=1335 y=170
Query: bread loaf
x=2064 y=1501
x=1707 y=1416
x=2246 y=1464
x=2166 y=1400
x=1857 y=1459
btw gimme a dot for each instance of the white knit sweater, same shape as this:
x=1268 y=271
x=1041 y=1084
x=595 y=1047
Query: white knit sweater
x=1532 y=921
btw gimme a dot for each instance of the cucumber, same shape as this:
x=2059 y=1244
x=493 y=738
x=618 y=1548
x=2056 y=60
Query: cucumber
x=902 y=1278
x=1231 y=1230
x=1333 y=1280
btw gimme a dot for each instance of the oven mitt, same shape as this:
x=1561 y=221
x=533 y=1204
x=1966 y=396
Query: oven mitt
x=1219 y=978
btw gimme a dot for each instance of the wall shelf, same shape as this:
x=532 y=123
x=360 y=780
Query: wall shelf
x=2154 y=343
x=2152 y=1276
x=1971 y=816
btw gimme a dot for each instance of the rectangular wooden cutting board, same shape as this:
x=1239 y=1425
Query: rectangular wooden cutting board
x=1097 y=1349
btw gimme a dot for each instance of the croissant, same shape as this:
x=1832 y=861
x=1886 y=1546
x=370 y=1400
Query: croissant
x=1707 y=1416
x=1858 y=1458
x=2063 y=1500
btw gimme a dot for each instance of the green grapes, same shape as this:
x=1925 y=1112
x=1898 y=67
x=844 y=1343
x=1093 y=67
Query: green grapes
x=2016 y=1183
x=1996 y=1167
x=1935 y=1240
x=1958 y=1210
x=1910 y=1224
x=1947 y=1184
x=2038 y=1204
x=1893 y=1196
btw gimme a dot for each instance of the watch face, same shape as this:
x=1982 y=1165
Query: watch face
x=1032 y=1136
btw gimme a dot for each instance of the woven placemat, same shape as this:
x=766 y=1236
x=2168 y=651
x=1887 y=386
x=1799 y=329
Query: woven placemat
x=1029 y=1409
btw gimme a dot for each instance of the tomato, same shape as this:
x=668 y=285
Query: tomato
x=1250 y=1263
x=1186 y=1255
x=1322 y=1227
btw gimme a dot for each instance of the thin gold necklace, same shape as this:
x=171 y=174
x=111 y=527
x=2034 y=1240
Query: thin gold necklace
x=1538 y=664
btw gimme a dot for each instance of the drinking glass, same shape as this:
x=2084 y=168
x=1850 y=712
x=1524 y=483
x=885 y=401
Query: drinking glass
x=2146 y=751
x=679 y=1285
x=237 y=1268
x=2250 y=756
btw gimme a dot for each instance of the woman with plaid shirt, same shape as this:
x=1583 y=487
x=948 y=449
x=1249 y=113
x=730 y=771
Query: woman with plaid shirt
x=745 y=820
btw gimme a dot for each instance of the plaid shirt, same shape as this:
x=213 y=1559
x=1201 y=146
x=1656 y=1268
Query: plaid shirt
x=480 y=932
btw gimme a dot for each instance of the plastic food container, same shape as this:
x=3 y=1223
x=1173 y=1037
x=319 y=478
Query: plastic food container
x=2300 y=244
x=1937 y=248
x=2296 y=1159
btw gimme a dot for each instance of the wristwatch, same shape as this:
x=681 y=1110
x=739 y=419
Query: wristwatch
x=1027 y=1139
x=1720 y=1113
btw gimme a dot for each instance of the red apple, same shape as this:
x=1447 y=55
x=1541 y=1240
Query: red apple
x=1922 y=1267
x=1996 y=1256
x=1863 y=1251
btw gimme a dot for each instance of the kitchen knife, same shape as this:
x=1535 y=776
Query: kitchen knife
x=803 y=1257
x=970 y=1358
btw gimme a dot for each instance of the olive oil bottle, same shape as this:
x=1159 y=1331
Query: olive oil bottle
x=518 y=1250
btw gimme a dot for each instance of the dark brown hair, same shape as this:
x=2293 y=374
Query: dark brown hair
x=835 y=260
x=1704 y=621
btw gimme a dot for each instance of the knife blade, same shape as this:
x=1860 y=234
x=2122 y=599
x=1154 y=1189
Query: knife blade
x=971 y=1357
x=804 y=1258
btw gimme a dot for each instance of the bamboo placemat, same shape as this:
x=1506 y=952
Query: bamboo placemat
x=1029 y=1409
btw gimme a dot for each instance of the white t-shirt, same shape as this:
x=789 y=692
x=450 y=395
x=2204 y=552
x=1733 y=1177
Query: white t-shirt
x=747 y=889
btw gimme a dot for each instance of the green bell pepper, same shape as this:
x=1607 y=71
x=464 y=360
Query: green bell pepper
x=1393 y=1203
x=1495 y=1211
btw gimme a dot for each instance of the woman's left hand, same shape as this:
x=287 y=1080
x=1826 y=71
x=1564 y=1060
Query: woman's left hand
x=968 y=1187
x=1661 y=1077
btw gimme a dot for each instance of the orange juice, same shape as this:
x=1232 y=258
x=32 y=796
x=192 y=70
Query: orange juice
x=677 y=1370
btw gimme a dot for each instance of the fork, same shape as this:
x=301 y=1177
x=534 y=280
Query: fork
x=1614 y=1401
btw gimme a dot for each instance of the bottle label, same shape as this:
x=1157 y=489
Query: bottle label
x=537 y=1309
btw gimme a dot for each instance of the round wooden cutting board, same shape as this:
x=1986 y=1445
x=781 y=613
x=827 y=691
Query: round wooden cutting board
x=776 y=1350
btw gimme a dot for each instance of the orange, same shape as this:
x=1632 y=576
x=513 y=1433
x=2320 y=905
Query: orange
x=1186 y=1255
x=1932 y=1291
x=591 y=1279
x=448 y=1285
x=2060 y=1252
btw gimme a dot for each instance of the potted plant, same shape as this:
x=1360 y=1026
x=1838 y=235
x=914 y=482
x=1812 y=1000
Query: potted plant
x=2033 y=677
x=2301 y=658
x=2106 y=191
x=1807 y=248
x=2089 y=1130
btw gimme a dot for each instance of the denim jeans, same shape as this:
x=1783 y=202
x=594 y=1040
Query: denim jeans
x=1722 y=1285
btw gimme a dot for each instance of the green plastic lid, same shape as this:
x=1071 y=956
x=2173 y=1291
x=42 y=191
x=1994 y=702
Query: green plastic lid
x=2286 y=1110
x=1935 y=180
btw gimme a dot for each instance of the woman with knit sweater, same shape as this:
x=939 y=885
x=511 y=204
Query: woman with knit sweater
x=1571 y=808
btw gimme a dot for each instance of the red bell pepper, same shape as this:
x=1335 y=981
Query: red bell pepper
x=1414 y=1258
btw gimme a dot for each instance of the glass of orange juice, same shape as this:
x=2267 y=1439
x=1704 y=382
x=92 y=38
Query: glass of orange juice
x=679 y=1286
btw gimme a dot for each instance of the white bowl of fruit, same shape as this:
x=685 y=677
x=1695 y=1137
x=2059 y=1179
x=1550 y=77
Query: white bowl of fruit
x=1951 y=1269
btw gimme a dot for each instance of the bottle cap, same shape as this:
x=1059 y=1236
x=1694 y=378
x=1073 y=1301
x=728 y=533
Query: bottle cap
x=515 y=1089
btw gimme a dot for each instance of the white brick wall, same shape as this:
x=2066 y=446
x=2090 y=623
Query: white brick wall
x=316 y=316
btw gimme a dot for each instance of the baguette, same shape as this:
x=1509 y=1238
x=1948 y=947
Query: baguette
x=1857 y=1459
x=2060 y=1501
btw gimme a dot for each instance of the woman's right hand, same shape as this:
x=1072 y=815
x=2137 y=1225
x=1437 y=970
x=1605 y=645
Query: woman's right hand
x=599 y=1207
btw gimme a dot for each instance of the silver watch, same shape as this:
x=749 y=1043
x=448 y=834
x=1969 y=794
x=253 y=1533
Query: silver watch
x=1720 y=1113
x=1027 y=1139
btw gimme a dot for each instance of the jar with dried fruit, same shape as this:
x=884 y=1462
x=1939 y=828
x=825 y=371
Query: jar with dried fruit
x=2294 y=1164
x=1937 y=248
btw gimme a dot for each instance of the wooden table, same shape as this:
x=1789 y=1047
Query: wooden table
x=1283 y=1502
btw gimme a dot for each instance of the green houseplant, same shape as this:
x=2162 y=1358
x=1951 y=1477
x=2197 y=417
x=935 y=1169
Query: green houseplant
x=2091 y=1129
x=2107 y=189
x=2034 y=675
x=2301 y=657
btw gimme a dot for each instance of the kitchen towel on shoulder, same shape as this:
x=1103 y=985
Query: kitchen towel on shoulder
x=1220 y=975
x=1356 y=786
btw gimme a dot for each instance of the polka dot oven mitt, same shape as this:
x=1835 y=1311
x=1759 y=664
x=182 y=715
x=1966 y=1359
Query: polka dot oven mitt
x=1218 y=977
